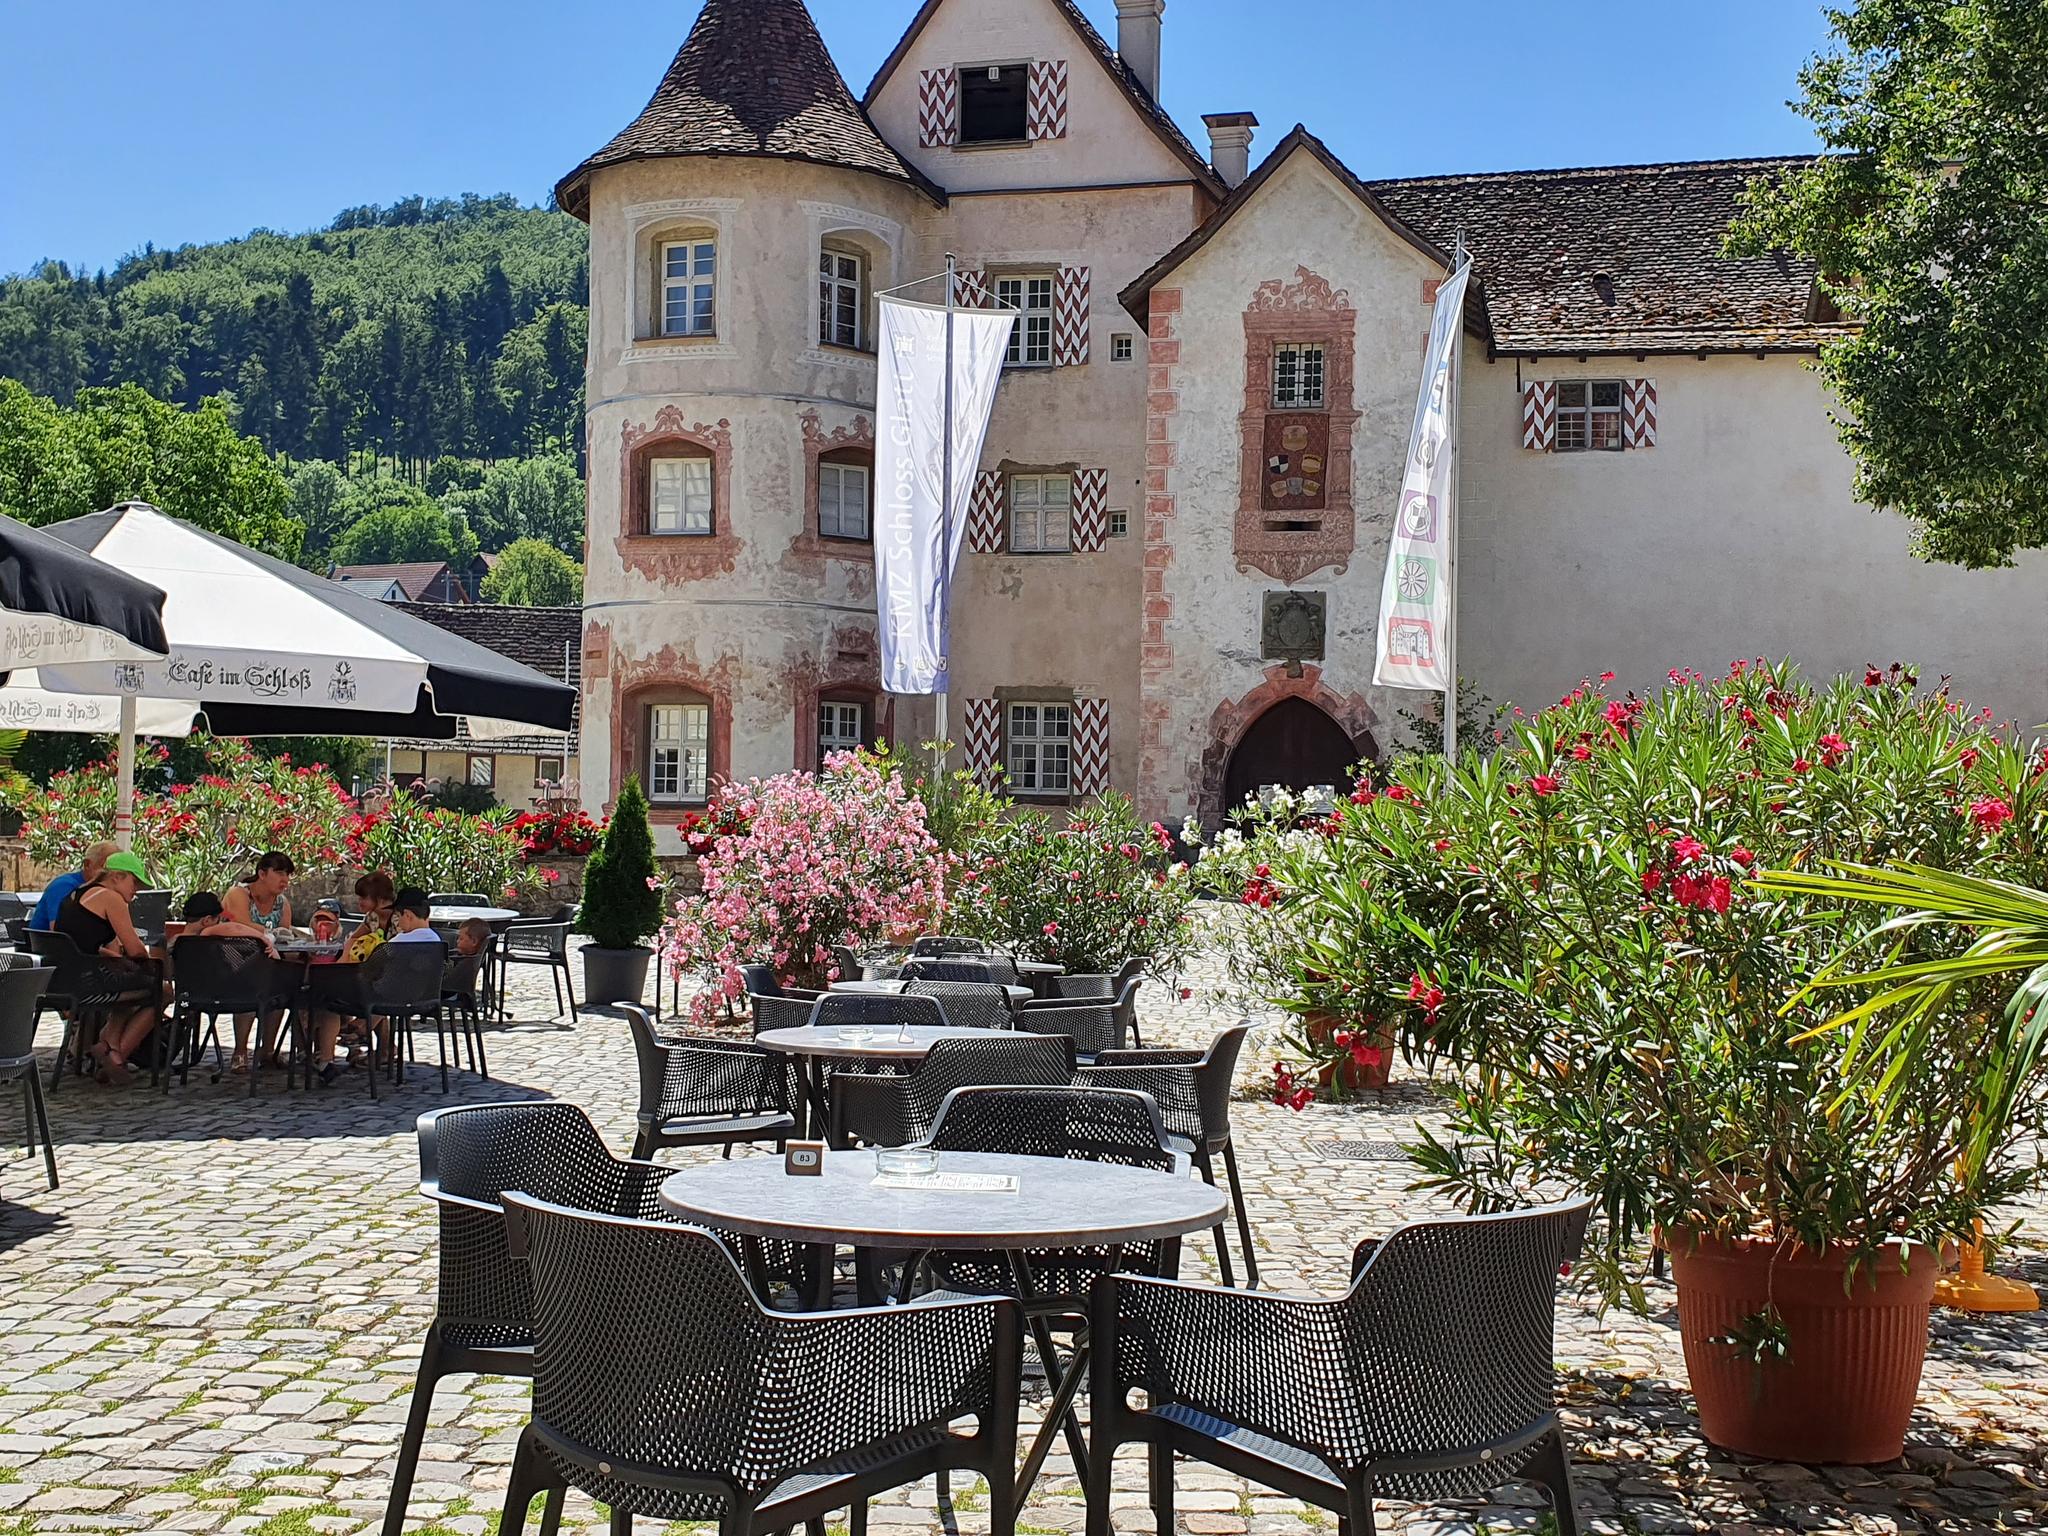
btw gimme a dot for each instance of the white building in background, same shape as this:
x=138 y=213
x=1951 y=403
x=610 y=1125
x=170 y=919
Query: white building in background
x=1180 y=518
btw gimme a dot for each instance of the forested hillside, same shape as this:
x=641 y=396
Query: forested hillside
x=429 y=329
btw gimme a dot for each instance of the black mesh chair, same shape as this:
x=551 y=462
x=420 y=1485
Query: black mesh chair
x=21 y=991
x=934 y=945
x=537 y=941
x=969 y=1004
x=953 y=968
x=483 y=1305
x=877 y=1010
x=760 y=981
x=1081 y=984
x=404 y=988
x=461 y=988
x=149 y=912
x=1431 y=1378
x=86 y=987
x=1192 y=1090
x=896 y=1111
x=773 y=1011
x=847 y=963
x=649 y=1363
x=705 y=1092
x=459 y=899
x=1095 y=1024
x=228 y=975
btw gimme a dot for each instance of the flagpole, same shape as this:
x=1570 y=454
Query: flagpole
x=1457 y=517
x=946 y=536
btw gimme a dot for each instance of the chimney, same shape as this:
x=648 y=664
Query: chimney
x=1230 y=144
x=1137 y=39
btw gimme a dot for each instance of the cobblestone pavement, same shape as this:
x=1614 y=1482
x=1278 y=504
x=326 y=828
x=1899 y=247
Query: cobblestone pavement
x=213 y=1327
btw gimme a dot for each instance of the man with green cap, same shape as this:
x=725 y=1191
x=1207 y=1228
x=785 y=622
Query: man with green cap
x=96 y=919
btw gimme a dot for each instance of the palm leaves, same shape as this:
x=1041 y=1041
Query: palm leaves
x=1895 y=1029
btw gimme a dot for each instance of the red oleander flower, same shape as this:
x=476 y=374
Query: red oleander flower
x=1872 y=678
x=1990 y=813
x=1653 y=878
x=1289 y=1092
x=1742 y=856
x=1833 y=750
x=1543 y=785
x=1687 y=850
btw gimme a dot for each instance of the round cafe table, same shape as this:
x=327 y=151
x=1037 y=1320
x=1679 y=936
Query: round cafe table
x=821 y=1045
x=1058 y=1203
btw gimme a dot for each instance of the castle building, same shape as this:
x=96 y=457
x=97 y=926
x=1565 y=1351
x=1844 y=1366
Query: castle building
x=1179 y=524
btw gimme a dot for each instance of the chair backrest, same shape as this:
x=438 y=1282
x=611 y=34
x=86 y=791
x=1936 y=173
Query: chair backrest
x=760 y=980
x=702 y=1074
x=999 y=1060
x=1129 y=971
x=149 y=911
x=1448 y=1334
x=879 y=1009
x=778 y=1012
x=1098 y=1125
x=17 y=934
x=847 y=963
x=458 y=899
x=1096 y=1024
x=460 y=972
x=975 y=969
x=407 y=976
x=12 y=906
x=475 y=1152
x=225 y=974
x=20 y=988
x=970 y=1004
x=935 y=945
x=1001 y=968
x=535 y=938
x=1192 y=1087
x=648 y=1351
x=56 y=950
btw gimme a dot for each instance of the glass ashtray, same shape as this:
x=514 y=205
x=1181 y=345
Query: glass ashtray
x=906 y=1160
x=856 y=1036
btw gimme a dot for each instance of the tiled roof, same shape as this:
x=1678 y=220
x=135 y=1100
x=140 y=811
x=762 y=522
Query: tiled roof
x=753 y=78
x=549 y=640
x=1619 y=259
x=1157 y=116
x=418 y=579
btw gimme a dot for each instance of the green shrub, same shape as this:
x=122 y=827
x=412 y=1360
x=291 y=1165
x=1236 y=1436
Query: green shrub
x=621 y=889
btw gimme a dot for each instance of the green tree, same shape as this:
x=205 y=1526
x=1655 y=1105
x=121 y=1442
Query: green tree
x=538 y=498
x=405 y=528
x=1929 y=225
x=320 y=502
x=124 y=445
x=621 y=892
x=530 y=574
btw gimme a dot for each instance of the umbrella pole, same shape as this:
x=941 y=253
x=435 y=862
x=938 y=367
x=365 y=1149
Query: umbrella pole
x=124 y=786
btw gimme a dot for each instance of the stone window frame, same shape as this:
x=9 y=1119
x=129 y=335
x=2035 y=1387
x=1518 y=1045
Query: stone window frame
x=642 y=706
x=845 y=687
x=675 y=557
x=854 y=440
x=1304 y=309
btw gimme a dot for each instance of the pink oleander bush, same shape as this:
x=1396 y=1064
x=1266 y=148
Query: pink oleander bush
x=810 y=861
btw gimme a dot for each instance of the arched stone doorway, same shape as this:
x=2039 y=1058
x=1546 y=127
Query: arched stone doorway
x=1295 y=744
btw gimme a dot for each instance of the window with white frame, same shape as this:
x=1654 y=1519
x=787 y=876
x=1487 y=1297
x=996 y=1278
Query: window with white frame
x=689 y=276
x=842 y=500
x=839 y=298
x=1119 y=524
x=679 y=495
x=548 y=770
x=1588 y=415
x=1041 y=514
x=1298 y=375
x=483 y=772
x=1038 y=744
x=678 y=752
x=1121 y=347
x=841 y=727
x=1029 y=294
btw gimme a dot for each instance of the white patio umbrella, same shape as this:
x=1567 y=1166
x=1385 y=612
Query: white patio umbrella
x=262 y=648
x=26 y=705
x=57 y=605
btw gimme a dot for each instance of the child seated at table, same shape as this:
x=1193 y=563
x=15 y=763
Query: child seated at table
x=471 y=937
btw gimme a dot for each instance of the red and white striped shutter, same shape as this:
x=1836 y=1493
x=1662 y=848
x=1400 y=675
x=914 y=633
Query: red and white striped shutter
x=970 y=287
x=1045 y=100
x=1070 y=317
x=1639 y=413
x=1539 y=415
x=1091 y=746
x=1091 y=509
x=981 y=734
x=938 y=107
x=985 y=513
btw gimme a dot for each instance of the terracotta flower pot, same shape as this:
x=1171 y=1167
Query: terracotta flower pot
x=1845 y=1391
x=1347 y=1075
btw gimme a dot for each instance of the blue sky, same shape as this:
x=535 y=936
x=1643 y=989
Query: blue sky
x=128 y=121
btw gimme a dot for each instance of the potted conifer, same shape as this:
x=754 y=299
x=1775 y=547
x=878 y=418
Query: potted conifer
x=621 y=903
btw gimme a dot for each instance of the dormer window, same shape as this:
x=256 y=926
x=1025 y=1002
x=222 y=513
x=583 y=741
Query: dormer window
x=992 y=103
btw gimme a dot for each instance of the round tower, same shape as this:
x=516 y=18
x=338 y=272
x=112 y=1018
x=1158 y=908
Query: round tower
x=740 y=228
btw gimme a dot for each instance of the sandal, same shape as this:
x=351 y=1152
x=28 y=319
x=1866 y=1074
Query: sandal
x=114 y=1067
x=238 y=1064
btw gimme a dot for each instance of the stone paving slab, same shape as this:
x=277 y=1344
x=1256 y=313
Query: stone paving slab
x=213 y=1326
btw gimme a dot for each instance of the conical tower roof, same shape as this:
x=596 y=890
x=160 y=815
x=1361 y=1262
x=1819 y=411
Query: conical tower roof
x=753 y=78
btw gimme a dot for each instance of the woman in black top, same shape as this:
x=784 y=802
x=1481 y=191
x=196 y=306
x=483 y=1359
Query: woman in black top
x=95 y=918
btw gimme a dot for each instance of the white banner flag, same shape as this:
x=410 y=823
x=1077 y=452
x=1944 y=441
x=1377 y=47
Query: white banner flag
x=1415 y=600
x=912 y=572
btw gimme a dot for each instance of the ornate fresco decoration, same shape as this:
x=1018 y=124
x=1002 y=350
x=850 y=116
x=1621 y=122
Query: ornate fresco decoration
x=666 y=675
x=808 y=550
